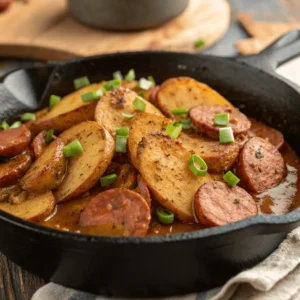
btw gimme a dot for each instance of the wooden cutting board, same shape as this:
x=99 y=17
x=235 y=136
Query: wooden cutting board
x=43 y=29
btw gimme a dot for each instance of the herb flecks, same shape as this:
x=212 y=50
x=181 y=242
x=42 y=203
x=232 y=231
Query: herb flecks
x=259 y=169
x=258 y=154
x=236 y=201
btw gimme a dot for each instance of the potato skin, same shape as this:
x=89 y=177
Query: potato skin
x=39 y=144
x=47 y=172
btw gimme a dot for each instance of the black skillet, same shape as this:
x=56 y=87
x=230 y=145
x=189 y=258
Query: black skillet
x=165 y=265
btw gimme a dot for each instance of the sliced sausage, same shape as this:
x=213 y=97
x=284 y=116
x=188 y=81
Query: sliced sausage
x=39 y=143
x=120 y=208
x=217 y=204
x=14 y=141
x=13 y=169
x=260 y=165
x=202 y=117
x=142 y=189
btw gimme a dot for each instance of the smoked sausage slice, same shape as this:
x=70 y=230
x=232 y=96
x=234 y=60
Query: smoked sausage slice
x=121 y=208
x=217 y=204
x=142 y=189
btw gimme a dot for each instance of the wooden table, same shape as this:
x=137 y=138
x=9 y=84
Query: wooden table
x=18 y=284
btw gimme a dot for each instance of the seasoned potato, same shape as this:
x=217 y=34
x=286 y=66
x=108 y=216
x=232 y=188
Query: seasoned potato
x=126 y=177
x=6 y=192
x=185 y=92
x=115 y=102
x=47 y=172
x=39 y=144
x=134 y=85
x=86 y=168
x=70 y=111
x=36 y=208
x=163 y=163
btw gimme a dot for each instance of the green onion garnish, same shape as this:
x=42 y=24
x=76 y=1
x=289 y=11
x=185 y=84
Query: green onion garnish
x=89 y=96
x=81 y=82
x=121 y=144
x=226 y=135
x=142 y=94
x=128 y=116
x=139 y=104
x=118 y=75
x=130 y=76
x=72 y=149
x=16 y=124
x=4 y=125
x=200 y=43
x=28 y=117
x=173 y=130
x=164 y=215
x=108 y=179
x=221 y=119
x=186 y=123
x=123 y=131
x=112 y=84
x=49 y=136
x=150 y=78
x=101 y=91
x=54 y=100
x=145 y=84
x=231 y=179
x=194 y=162
x=179 y=111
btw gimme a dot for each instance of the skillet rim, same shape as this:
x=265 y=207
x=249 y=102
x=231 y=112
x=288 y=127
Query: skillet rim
x=263 y=219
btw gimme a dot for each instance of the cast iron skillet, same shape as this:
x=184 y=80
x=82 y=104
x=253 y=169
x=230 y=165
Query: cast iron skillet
x=165 y=265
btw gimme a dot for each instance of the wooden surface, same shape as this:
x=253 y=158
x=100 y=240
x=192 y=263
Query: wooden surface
x=17 y=284
x=45 y=30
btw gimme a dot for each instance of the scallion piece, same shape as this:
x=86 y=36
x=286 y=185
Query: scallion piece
x=49 y=136
x=4 y=125
x=130 y=76
x=142 y=94
x=101 y=91
x=226 y=135
x=150 y=78
x=145 y=84
x=173 y=130
x=112 y=84
x=53 y=100
x=221 y=119
x=118 y=75
x=123 y=131
x=197 y=165
x=121 y=144
x=16 y=124
x=139 y=104
x=179 y=111
x=231 y=179
x=81 y=82
x=164 y=215
x=186 y=123
x=28 y=117
x=199 y=43
x=72 y=149
x=89 y=96
x=128 y=116
x=108 y=179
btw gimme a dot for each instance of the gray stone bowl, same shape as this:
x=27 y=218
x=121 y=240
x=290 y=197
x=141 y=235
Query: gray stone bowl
x=124 y=15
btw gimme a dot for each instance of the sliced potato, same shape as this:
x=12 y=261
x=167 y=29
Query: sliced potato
x=85 y=169
x=185 y=92
x=126 y=177
x=163 y=163
x=6 y=192
x=70 y=111
x=36 y=208
x=39 y=143
x=115 y=102
x=48 y=171
x=134 y=85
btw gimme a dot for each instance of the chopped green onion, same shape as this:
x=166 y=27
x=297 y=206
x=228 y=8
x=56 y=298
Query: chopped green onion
x=89 y=96
x=28 y=117
x=54 y=100
x=101 y=91
x=150 y=78
x=142 y=94
x=145 y=84
x=49 y=135
x=139 y=104
x=221 y=119
x=173 y=130
x=200 y=43
x=186 y=123
x=164 y=215
x=179 y=111
x=4 y=125
x=108 y=179
x=231 y=179
x=128 y=116
x=130 y=76
x=118 y=75
x=123 y=131
x=16 y=124
x=194 y=162
x=81 y=82
x=72 y=149
x=121 y=144
x=112 y=84
x=226 y=135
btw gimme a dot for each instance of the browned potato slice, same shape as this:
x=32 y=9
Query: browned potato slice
x=163 y=163
x=185 y=92
x=6 y=192
x=47 y=172
x=39 y=143
x=126 y=177
x=85 y=169
x=115 y=102
x=36 y=208
x=70 y=111
x=134 y=85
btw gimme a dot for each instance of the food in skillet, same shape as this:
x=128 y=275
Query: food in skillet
x=127 y=157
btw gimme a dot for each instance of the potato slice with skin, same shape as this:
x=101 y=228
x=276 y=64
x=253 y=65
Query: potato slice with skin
x=85 y=169
x=36 y=208
x=115 y=102
x=185 y=92
x=6 y=192
x=39 y=144
x=163 y=163
x=48 y=171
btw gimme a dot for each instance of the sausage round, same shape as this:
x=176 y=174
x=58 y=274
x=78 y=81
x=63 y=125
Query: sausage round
x=217 y=204
x=142 y=189
x=202 y=117
x=14 y=141
x=121 y=208
x=260 y=165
